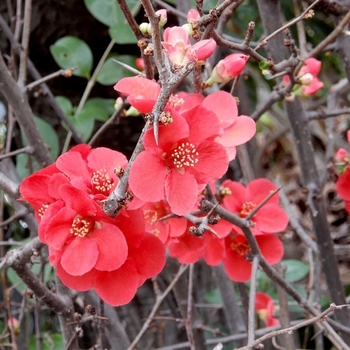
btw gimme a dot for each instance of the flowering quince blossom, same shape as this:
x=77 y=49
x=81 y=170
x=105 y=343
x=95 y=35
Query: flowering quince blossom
x=88 y=248
x=307 y=76
x=266 y=309
x=242 y=200
x=236 y=262
x=343 y=168
x=185 y=159
x=189 y=249
x=163 y=229
x=227 y=69
x=178 y=48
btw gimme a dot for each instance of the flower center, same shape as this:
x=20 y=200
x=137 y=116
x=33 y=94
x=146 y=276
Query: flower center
x=151 y=216
x=101 y=182
x=184 y=155
x=81 y=227
x=225 y=191
x=42 y=210
x=247 y=207
x=241 y=248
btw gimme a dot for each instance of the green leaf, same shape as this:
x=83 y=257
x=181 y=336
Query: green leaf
x=111 y=71
x=65 y=104
x=69 y=52
x=295 y=270
x=49 y=136
x=50 y=341
x=84 y=123
x=122 y=34
x=25 y=164
x=105 y=11
x=100 y=108
x=214 y=296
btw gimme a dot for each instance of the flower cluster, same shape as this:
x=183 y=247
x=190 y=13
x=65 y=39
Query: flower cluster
x=229 y=245
x=343 y=167
x=88 y=248
x=192 y=150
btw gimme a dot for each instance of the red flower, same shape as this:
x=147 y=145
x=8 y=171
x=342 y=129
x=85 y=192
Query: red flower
x=83 y=235
x=163 y=229
x=142 y=93
x=237 y=262
x=265 y=308
x=189 y=249
x=343 y=188
x=234 y=130
x=242 y=200
x=184 y=159
x=124 y=268
x=93 y=171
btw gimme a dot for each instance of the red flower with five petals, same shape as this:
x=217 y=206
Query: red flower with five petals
x=242 y=200
x=184 y=159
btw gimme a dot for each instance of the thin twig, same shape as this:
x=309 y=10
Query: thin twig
x=252 y=293
x=159 y=300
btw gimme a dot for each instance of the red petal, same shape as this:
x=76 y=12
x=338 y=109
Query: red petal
x=142 y=93
x=271 y=218
x=112 y=247
x=147 y=176
x=73 y=165
x=80 y=256
x=212 y=162
x=79 y=283
x=343 y=185
x=191 y=100
x=57 y=230
x=168 y=134
x=203 y=124
x=271 y=248
x=238 y=196
x=149 y=258
x=224 y=106
x=118 y=287
x=238 y=269
x=259 y=189
x=105 y=158
x=78 y=200
x=241 y=131
x=215 y=249
x=181 y=192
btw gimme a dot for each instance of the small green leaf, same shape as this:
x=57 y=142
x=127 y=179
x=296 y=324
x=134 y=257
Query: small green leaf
x=49 y=136
x=122 y=34
x=106 y=11
x=65 y=104
x=111 y=71
x=264 y=65
x=295 y=270
x=214 y=297
x=100 y=108
x=84 y=123
x=69 y=52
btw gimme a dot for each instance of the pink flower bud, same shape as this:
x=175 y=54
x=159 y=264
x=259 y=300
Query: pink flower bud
x=193 y=15
x=341 y=156
x=13 y=324
x=306 y=79
x=227 y=69
x=163 y=17
x=140 y=64
x=348 y=135
x=204 y=49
